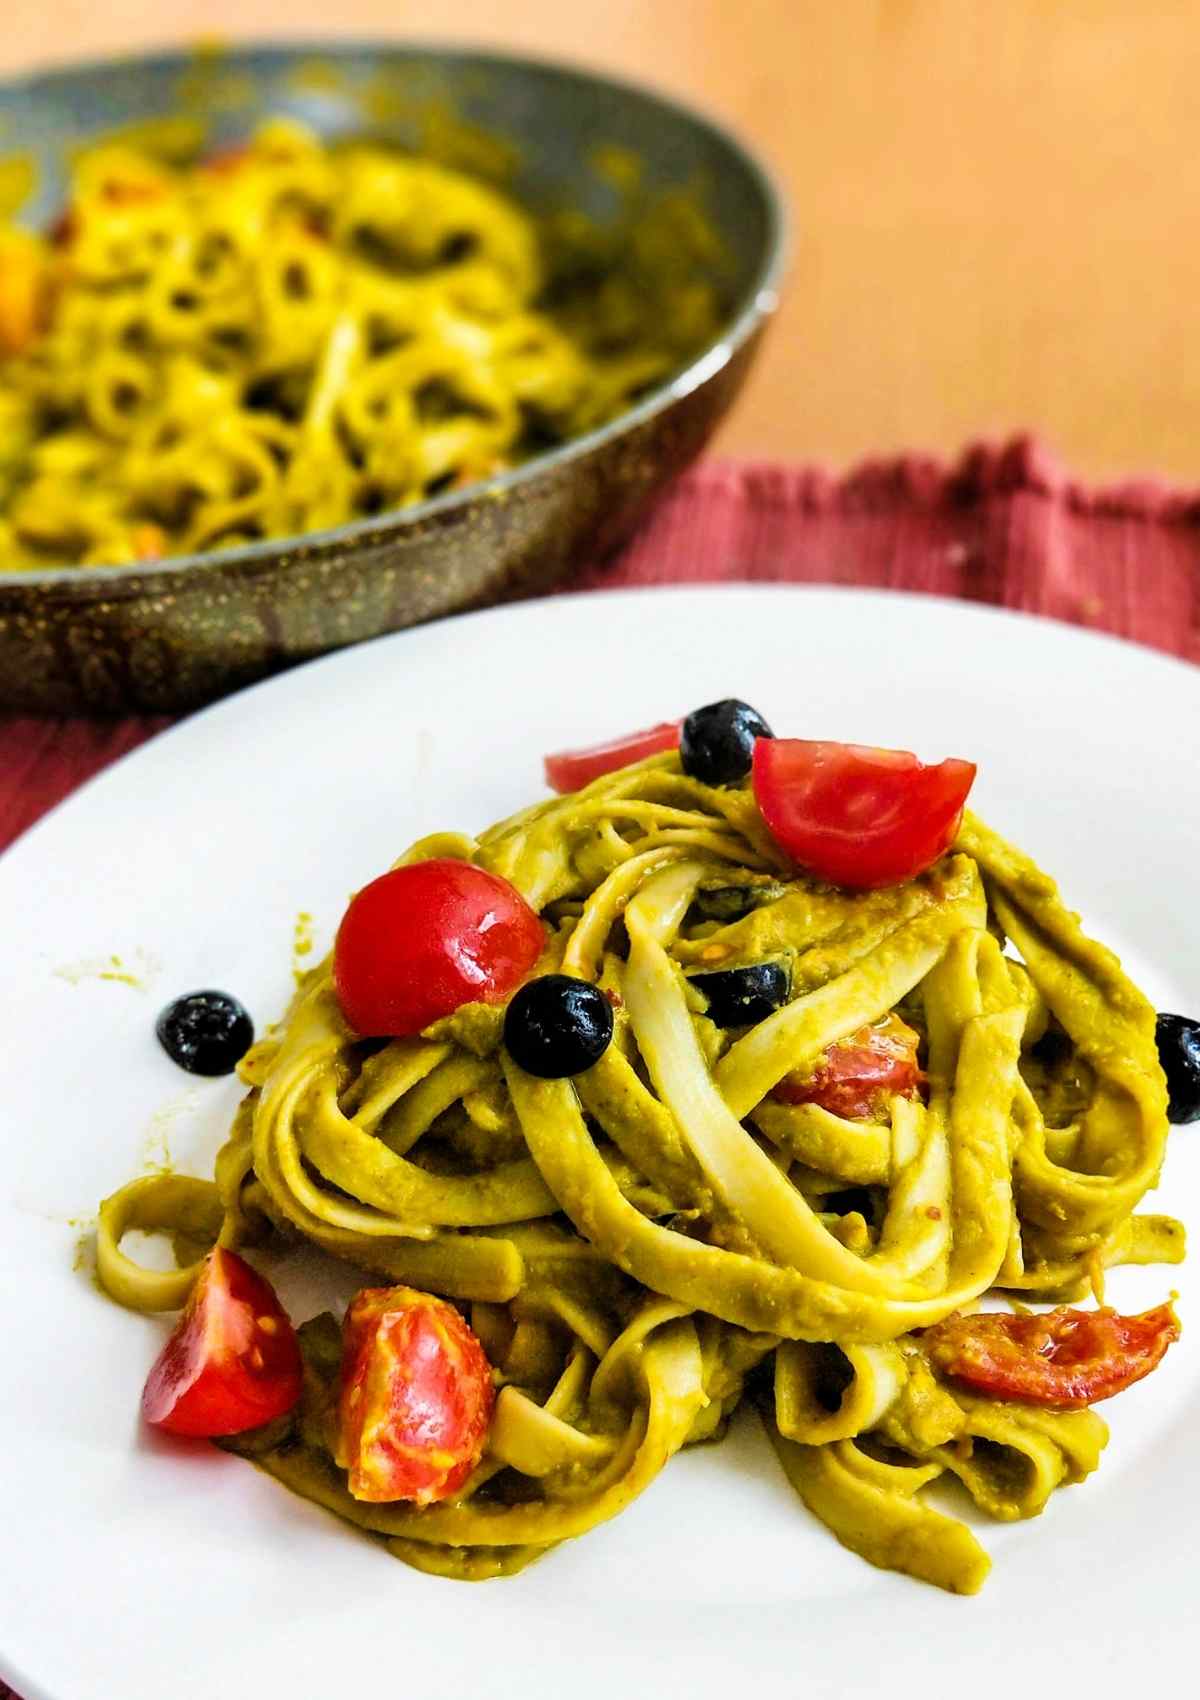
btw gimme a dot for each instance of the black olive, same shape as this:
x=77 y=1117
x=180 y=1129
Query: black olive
x=834 y=1373
x=738 y=997
x=716 y=742
x=731 y=902
x=850 y=1199
x=1179 y=1054
x=1053 y=1047
x=205 y=1032
x=555 y=1026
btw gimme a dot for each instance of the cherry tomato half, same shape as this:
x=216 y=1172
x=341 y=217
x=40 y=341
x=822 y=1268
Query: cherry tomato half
x=416 y=1397
x=1065 y=1358
x=570 y=770
x=857 y=816
x=857 y=1075
x=420 y=941
x=232 y=1362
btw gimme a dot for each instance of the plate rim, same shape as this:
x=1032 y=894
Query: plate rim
x=982 y=612
x=979 y=615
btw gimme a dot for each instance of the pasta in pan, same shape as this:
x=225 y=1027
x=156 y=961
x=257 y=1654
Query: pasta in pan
x=644 y=1245
x=290 y=335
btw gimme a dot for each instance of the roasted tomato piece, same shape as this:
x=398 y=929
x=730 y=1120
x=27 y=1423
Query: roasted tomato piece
x=131 y=191
x=858 y=1075
x=149 y=542
x=64 y=229
x=225 y=162
x=570 y=770
x=856 y=816
x=420 y=941
x=415 y=1400
x=232 y=1362
x=1065 y=1358
x=24 y=291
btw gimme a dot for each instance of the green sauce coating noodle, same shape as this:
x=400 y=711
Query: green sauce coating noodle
x=643 y=1246
x=293 y=334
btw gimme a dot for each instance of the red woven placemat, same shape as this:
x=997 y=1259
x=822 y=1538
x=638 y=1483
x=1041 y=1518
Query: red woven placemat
x=1003 y=525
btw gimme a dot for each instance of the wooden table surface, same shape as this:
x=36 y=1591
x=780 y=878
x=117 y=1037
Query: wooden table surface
x=997 y=204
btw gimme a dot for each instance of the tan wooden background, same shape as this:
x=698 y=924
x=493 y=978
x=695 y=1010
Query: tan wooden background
x=997 y=201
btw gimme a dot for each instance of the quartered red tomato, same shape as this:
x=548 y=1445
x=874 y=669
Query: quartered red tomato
x=1065 y=1358
x=232 y=1362
x=857 y=1075
x=569 y=770
x=857 y=816
x=416 y=1397
x=420 y=941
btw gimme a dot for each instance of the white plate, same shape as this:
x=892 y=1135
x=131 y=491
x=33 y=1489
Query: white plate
x=133 y=1569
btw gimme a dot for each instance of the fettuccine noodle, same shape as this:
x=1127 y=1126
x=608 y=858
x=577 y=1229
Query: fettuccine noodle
x=644 y=1246
x=291 y=335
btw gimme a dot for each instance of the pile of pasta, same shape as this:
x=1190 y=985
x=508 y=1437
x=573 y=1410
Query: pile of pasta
x=643 y=1247
x=291 y=335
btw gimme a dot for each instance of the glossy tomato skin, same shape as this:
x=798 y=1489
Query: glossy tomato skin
x=857 y=816
x=570 y=770
x=857 y=1076
x=422 y=940
x=1066 y=1359
x=232 y=1362
x=415 y=1400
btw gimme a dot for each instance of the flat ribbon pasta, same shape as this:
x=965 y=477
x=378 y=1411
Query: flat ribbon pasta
x=637 y=1245
x=290 y=335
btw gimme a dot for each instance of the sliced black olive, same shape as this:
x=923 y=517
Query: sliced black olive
x=834 y=1374
x=738 y=997
x=205 y=1032
x=1179 y=1054
x=716 y=742
x=1053 y=1047
x=850 y=1199
x=731 y=902
x=555 y=1026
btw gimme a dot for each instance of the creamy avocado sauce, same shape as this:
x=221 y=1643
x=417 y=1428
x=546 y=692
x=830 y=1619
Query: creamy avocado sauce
x=647 y=1244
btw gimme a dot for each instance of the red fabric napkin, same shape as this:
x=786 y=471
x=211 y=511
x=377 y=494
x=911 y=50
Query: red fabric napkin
x=1004 y=525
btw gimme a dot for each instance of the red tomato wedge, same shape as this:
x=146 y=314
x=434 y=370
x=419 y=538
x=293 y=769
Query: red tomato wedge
x=420 y=941
x=416 y=1397
x=858 y=1075
x=857 y=816
x=570 y=770
x=1065 y=1358
x=232 y=1362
